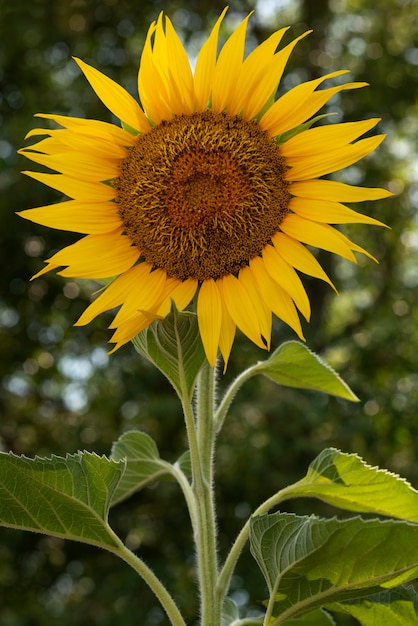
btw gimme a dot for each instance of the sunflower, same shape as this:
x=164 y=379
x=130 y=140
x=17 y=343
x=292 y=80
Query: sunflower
x=208 y=191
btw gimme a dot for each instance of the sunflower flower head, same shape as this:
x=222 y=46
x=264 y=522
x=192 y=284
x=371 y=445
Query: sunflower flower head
x=208 y=191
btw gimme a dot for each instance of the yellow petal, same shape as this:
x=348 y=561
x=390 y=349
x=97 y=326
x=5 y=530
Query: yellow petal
x=329 y=212
x=209 y=317
x=286 y=277
x=129 y=329
x=334 y=191
x=240 y=308
x=319 y=235
x=179 y=69
x=303 y=168
x=354 y=246
x=145 y=295
x=79 y=217
x=227 y=67
x=115 y=293
x=115 y=98
x=181 y=293
x=77 y=189
x=263 y=313
x=151 y=81
x=267 y=81
x=227 y=336
x=77 y=141
x=300 y=103
x=79 y=165
x=299 y=257
x=276 y=298
x=95 y=127
x=94 y=256
x=316 y=141
x=205 y=66
x=254 y=69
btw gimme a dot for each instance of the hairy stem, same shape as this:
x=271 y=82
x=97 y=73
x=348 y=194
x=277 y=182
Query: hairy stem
x=153 y=582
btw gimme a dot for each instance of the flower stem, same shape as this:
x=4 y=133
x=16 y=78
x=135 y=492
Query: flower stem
x=153 y=583
x=231 y=393
x=235 y=552
x=201 y=433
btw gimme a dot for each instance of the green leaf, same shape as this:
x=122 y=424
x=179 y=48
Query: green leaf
x=314 y=618
x=309 y=562
x=346 y=481
x=294 y=365
x=397 y=607
x=143 y=463
x=65 y=497
x=175 y=347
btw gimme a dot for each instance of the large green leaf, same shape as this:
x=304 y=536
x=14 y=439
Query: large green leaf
x=310 y=562
x=396 y=607
x=65 y=497
x=175 y=347
x=143 y=463
x=346 y=481
x=294 y=365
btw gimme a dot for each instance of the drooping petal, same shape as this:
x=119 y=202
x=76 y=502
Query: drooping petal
x=275 y=297
x=319 y=235
x=144 y=296
x=181 y=293
x=116 y=292
x=241 y=308
x=129 y=329
x=115 y=98
x=263 y=313
x=286 y=277
x=299 y=257
x=209 y=317
x=227 y=336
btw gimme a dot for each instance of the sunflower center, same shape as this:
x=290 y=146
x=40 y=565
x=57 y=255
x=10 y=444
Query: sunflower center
x=202 y=194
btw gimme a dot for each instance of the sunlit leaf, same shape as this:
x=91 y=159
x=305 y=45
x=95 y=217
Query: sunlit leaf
x=294 y=365
x=396 y=607
x=310 y=562
x=346 y=481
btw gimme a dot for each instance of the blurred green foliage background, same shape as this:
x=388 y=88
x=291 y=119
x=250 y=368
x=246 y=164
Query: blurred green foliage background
x=60 y=392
